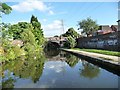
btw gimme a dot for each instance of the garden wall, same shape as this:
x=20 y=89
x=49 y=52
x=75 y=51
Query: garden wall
x=109 y=41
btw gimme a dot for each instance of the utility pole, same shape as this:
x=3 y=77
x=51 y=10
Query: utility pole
x=62 y=31
x=62 y=26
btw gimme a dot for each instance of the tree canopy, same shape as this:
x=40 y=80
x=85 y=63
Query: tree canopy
x=38 y=32
x=89 y=26
x=4 y=8
x=71 y=32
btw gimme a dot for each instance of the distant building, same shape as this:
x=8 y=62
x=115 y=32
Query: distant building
x=105 y=29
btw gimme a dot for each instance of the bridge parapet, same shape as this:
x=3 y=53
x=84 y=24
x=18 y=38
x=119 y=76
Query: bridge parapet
x=56 y=39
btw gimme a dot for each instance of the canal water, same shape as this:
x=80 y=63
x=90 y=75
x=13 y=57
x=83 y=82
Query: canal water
x=55 y=69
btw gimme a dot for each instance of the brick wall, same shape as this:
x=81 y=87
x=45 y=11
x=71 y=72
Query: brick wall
x=109 y=41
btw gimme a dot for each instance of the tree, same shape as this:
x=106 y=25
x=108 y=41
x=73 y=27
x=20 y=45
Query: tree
x=4 y=31
x=17 y=29
x=56 y=36
x=37 y=31
x=71 y=42
x=71 y=32
x=89 y=26
x=4 y=8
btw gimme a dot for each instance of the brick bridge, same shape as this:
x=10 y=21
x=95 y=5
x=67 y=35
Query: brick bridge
x=59 y=40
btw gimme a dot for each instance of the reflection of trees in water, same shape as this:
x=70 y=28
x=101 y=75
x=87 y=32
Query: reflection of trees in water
x=30 y=66
x=71 y=60
x=9 y=83
x=89 y=70
x=49 y=53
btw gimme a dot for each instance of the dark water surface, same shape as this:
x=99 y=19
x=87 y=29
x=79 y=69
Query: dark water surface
x=55 y=69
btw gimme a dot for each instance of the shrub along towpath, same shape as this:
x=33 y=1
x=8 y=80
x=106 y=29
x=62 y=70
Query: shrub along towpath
x=105 y=61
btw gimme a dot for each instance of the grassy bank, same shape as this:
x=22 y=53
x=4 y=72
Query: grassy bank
x=106 y=52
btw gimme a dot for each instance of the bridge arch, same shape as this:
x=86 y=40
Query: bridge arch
x=54 y=45
x=56 y=41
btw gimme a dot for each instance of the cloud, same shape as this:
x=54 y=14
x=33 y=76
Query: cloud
x=31 y=5
x=44 y=20
x=55 y=25
x=51 y=12
x=54 y=28
x=57 y=66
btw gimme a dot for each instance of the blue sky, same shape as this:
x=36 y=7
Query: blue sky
x=50 y=14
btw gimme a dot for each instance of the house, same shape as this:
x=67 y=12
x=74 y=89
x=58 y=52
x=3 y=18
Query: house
x=105 y=29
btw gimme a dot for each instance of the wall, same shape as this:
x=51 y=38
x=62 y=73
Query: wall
x=109 y=41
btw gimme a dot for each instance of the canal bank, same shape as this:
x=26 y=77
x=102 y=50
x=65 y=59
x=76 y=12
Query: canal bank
x=101 y=60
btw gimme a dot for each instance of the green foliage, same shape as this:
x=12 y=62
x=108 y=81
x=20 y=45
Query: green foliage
x=89 y=26
x=4 y=31
x=4 y=8
x=11 y=51
x=71 y=42
x=71 y=32
x=8 y=84
x=30 y=34
x=56 y=36
x=89 y=71
x=71 y=35
x=17 y=29
x=71 y=60
x=37 y=31
x=28 y=66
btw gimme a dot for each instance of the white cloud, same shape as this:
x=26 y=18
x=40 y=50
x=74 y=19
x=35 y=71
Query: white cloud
x=51 y=12
x=31 y=5
x=56 y=66
x=44 y=20
x=55 y=25
x=54 y=28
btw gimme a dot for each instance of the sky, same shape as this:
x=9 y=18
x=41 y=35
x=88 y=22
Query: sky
x=51 y=14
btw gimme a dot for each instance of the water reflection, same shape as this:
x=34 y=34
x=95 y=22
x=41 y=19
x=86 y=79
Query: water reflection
x=71 y=60
x=53 y=69
x=89 y=70
x=30 y=66
x=9 y=83
x=49 y=53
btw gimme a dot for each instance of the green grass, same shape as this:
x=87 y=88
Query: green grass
x=106 y=52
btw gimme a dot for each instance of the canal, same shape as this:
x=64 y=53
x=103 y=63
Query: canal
x=55 y=69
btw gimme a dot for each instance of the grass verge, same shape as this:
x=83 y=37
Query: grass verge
x=106 y=52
